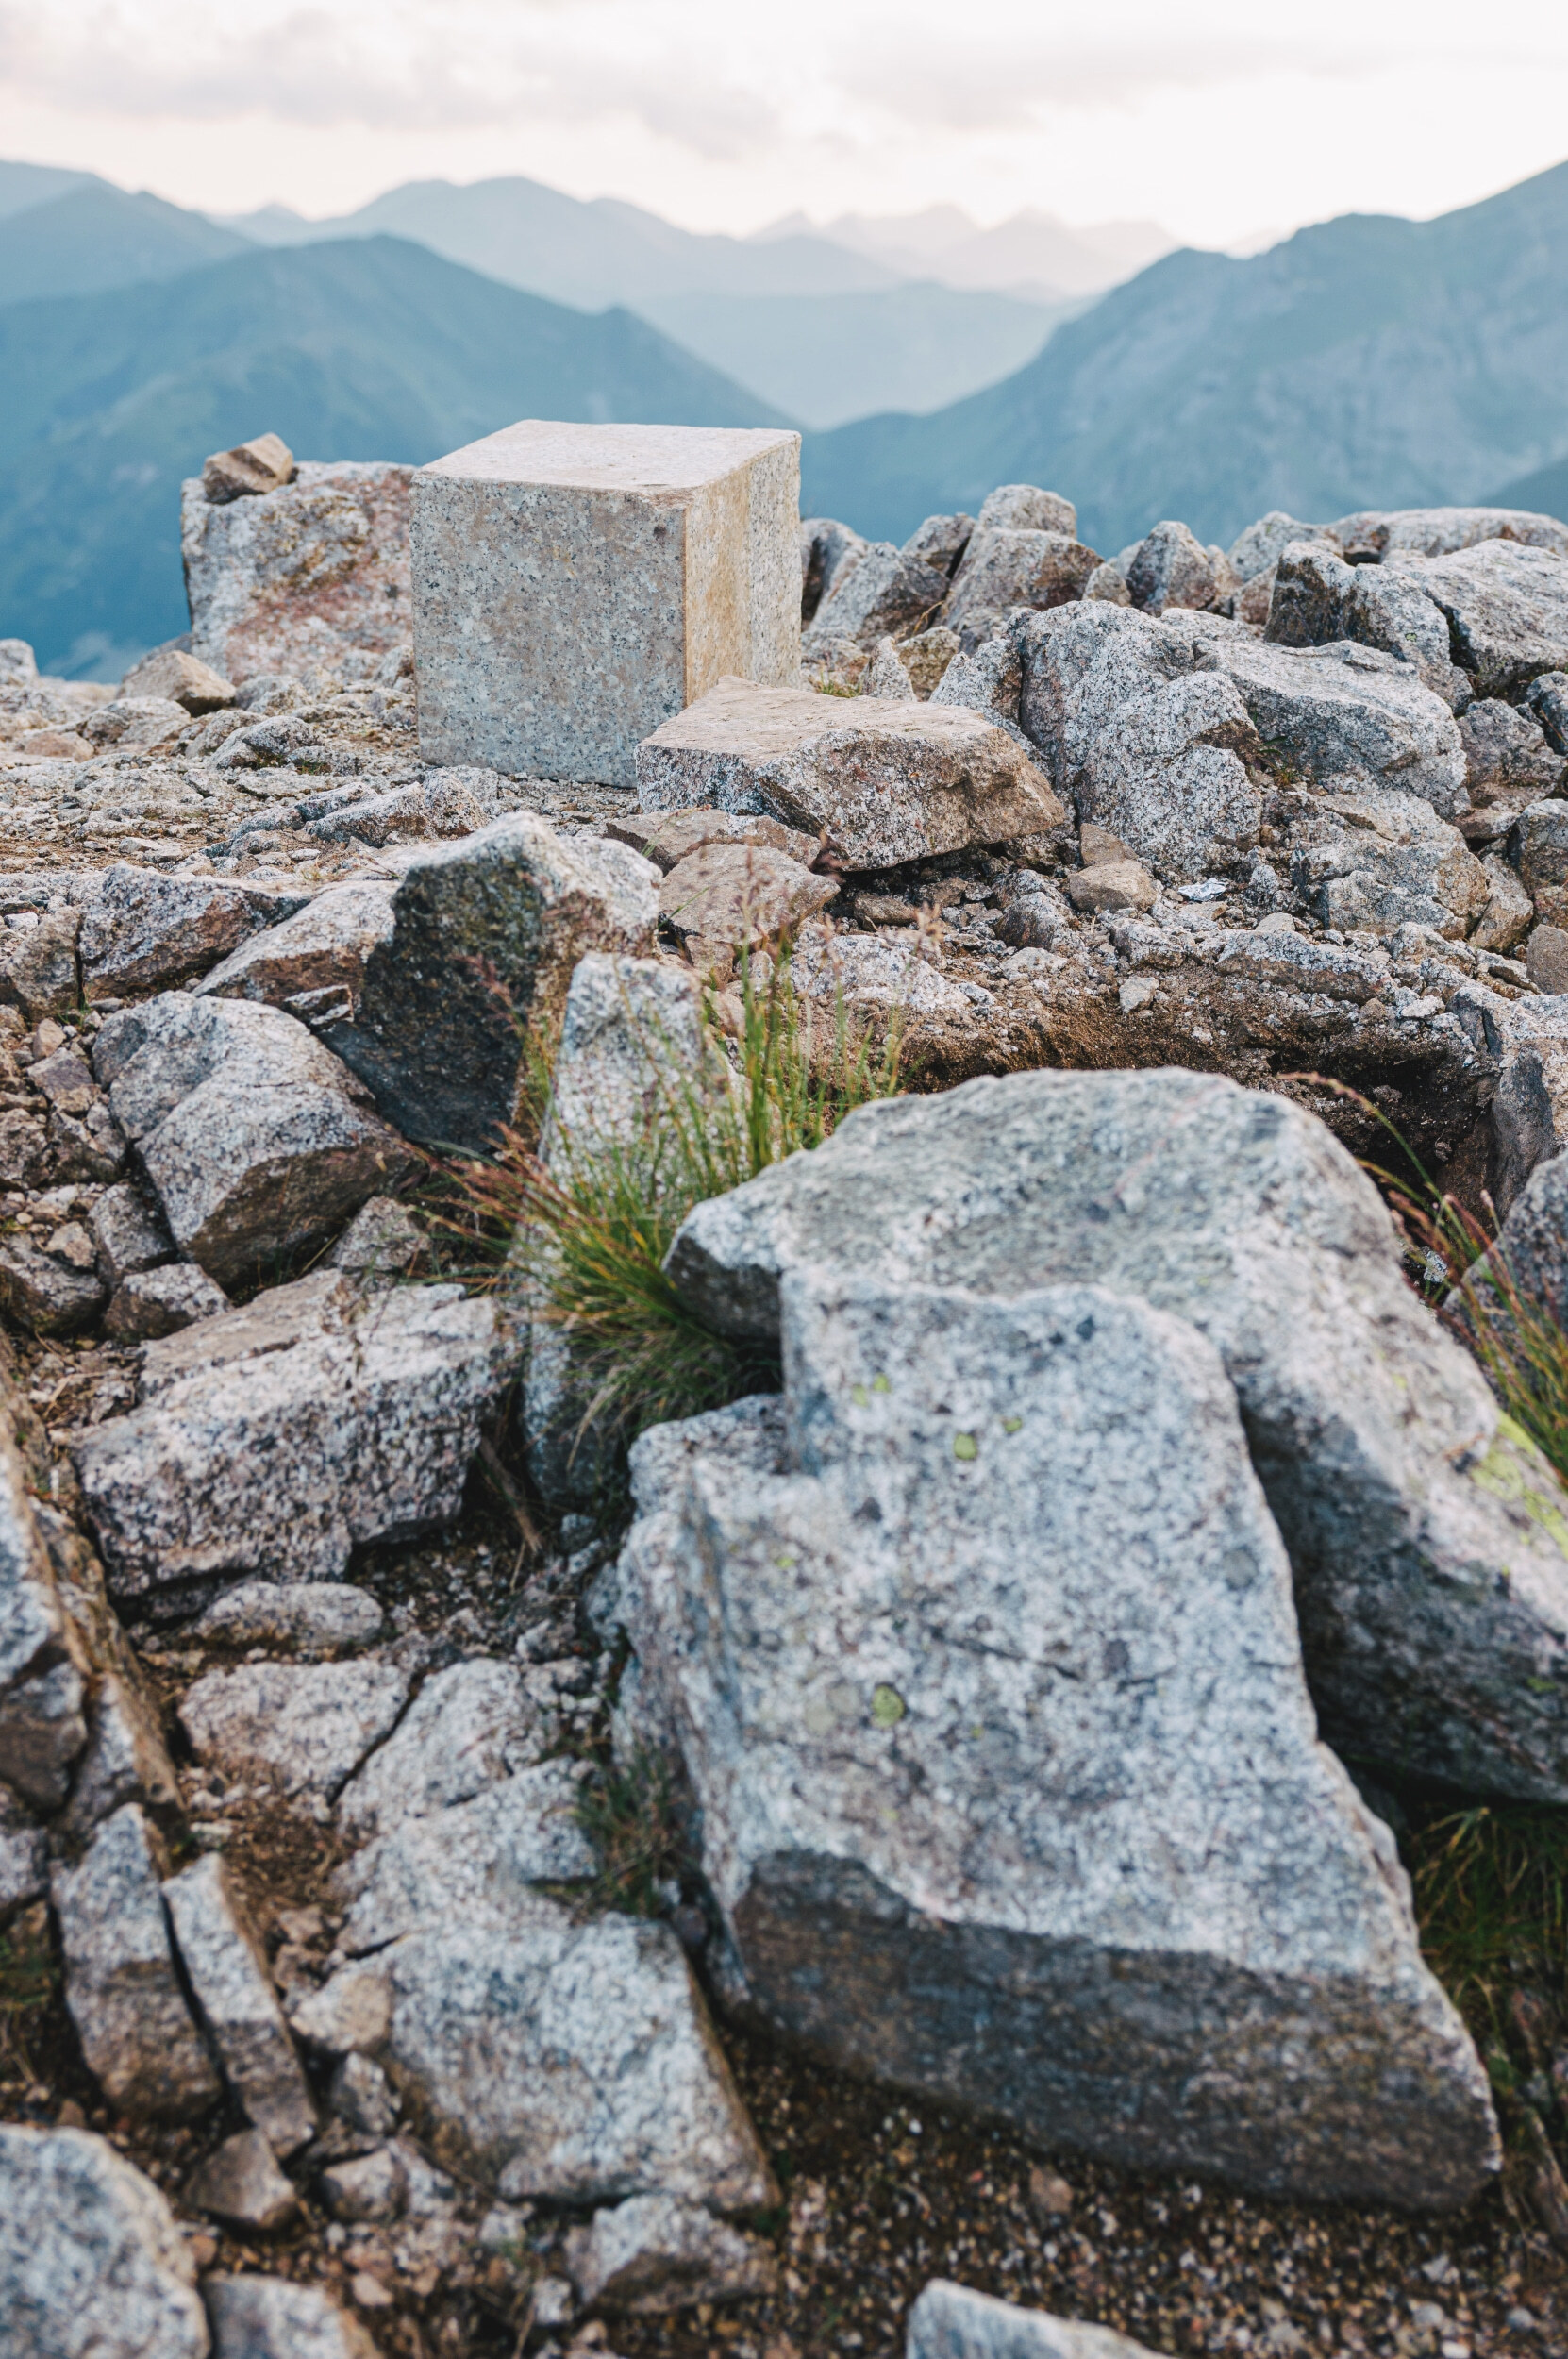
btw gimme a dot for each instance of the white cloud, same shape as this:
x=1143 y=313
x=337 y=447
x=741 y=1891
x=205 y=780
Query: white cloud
x=1212 y=118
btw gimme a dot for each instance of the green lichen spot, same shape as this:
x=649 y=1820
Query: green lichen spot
x=1012 y=1425
x=784 y=1558
x=965 y=1446
x=887 y=1705
x=880 y=1384
x=1514 y=1471
x=859 y=1395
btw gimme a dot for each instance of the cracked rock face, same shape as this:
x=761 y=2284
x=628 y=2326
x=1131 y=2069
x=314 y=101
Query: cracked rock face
x=121 y=1984
x=1505 y=606
x=469 y=1727
x=302 y=1727
x=1402 y=1498
x=1007 y=1776
x=73 y=2214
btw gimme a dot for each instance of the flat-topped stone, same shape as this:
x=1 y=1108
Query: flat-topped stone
x=882 y=780
x=575 y=585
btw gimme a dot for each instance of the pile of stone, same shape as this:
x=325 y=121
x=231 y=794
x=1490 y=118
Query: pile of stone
x=275 y=916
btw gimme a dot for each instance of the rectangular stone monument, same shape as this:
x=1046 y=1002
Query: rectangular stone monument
x=577 y=585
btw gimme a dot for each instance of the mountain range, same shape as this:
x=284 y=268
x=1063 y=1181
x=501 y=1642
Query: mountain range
x=1367 y=362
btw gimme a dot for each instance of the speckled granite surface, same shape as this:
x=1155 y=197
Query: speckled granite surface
x=575 y=585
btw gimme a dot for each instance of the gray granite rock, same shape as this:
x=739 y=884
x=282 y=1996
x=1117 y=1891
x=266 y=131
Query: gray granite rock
x=380 y=1244
x=370 y=2186
x=883 y=782
x=229 y=1981
x=143 y=929
x=45 y=1296
x=1258 y=549
x=134 y=721
x=992 y=1707
x=740 y=892
x=942 y=540
x=1508 y=765
x=42 y=1731
x=129 y=1232
x=154 y=1302
x=182 y=678
x=469 y=1727
x=953 y=2322
x=1005 y=566
x=478 y=2022
x=271 y=2318
x=485 y=932
x=1538 y=848
x=310 y=572
x=125 y=1758
x=92 y=2265
x=1548 y=698
x=1317 y=599
x=256 y=1139
x=1023 y=507
x=1529 y=1105
x=272 y=1440
x=360 y=2097
x=1171 y=568
x=1384 y=533
x=304 y=1617
x=37 y=965
x=303 y=1728
x=34 y=1632
x=1341 y=716
x=885 y=591
x=1370 y=863
x=350 y=2014
x=120 y=1986
x=1509 y=913
x=877 y=971
x=468 y=1864
x=667 y=837
x=657 y=2253
x=573 y=585
x=1505 y=606
x=240 y=2183
x=323 y=947
x=1137 y=740
x=1376 y=1439
x=826 y=549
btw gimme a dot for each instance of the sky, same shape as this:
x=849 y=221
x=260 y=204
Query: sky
x=1215 y=118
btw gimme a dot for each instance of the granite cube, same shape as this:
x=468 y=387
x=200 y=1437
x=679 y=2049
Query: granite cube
x=577 y=585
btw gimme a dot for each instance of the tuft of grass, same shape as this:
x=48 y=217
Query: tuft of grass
x=585 y=1235
x=630 y=1813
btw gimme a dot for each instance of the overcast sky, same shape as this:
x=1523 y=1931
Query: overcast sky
x=1218 y=118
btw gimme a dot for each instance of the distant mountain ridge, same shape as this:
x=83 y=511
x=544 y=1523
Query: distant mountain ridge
x=94 y=238
x=366 y=349
x=1365 y=361
x=1031 y=254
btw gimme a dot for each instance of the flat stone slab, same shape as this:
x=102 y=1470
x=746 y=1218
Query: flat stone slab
x=468 y=1865
x=304 y=1728
x=882 y=781
x=575 y=585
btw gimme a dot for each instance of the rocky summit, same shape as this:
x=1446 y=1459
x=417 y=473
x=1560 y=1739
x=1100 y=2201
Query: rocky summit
x=936 y=1801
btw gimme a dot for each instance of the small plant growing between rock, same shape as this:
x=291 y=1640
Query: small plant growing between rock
x=583 y=1235
x=630 y=1813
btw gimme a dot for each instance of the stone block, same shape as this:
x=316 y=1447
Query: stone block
x=91 y=2257
x=575 y=585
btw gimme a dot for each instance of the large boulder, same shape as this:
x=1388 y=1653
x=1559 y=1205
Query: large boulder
x=882 y=781
x=1170 y=567
x=256 y=1138
x=1370 y=863
x=274 y=1439
x=1430 y=1546
x=485 y=933
x=986 y=1679
x=309 y=573
x=121 y=1984
x=1317 y=600
x=92 y=2265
